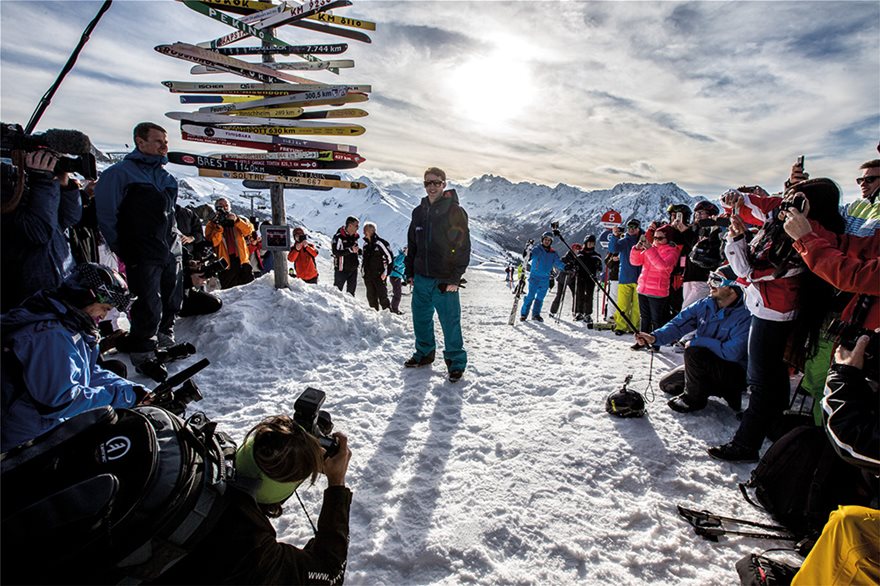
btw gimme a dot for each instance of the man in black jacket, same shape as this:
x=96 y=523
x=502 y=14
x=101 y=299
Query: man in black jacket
x=438 y=253
x=345 y=255
x=586 y=285
x=377 y=260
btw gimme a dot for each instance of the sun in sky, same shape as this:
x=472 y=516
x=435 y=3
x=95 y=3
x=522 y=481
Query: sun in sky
x=491 y=90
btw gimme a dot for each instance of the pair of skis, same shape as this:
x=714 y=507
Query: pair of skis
x=710 y=526
x=517 y=293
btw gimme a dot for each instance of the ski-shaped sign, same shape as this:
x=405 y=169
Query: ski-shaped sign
x=293 y=13
x=275 y=149
x=334 y=49
x=343 y=21
x=286 y=66
x=340 y=130
x=292 y=100
x=211 y=131
x=256 y=71
x=203 y=162
x=251 y=184
x=244 y=29
x=220 y=174
x=317 y=27
x=281 y=159
x=240 y=6
x=262 y=89
x=211 y=118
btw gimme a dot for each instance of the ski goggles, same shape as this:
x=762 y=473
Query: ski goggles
x=718 y=280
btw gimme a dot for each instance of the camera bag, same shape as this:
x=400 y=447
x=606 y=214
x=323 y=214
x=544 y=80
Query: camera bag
x=800 y=480
x=111 y=495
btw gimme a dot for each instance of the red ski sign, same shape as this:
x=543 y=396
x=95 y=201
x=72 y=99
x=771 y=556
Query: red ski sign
x=611 y=218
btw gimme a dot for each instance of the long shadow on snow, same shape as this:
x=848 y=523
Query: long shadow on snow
x=418 y=503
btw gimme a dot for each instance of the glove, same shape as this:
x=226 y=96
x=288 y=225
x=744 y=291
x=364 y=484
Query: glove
x=140 y=393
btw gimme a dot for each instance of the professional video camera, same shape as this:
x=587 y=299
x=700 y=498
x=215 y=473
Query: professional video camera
x=847 y=333
x=73 y=148
x=176 y=400
x=307 y=413
x=204 y=261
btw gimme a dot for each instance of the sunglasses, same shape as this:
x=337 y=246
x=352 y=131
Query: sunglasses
x=435 y=183
x=867 y=179
x=660 y=238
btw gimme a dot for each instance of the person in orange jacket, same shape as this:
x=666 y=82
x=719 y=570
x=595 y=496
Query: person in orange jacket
x=302 y=254
x=226 y=231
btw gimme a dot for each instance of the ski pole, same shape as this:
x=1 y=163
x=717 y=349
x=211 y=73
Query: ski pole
x=555 y=227
x=561 y=306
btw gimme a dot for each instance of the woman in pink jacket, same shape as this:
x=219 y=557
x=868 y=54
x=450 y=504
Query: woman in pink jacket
x=657 y=261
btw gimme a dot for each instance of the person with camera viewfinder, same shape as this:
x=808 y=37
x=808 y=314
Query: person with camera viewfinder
x=622 y=243
x=438 y=254
x=50 y=355
x=302 y=254
x=275 y=458
x=787 y=303
x=226 y=232
x=135 y=201
x=38 y=206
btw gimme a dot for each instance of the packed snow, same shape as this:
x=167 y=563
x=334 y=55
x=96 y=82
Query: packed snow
x=514 y=475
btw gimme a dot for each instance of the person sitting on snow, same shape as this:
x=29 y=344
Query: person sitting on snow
x=715 y=359
x=50 y=355
x=543 y=260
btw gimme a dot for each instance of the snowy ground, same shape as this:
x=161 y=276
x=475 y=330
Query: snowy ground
x=515 y=475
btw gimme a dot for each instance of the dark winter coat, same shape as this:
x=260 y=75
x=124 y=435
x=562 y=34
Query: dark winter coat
x=136 y=201
x=592 y=260
x=243 y=548
x=377 y=256
x=344 y=259
x=36 y=254
x=50 y=371
x=439 y=241
x=189 y=224
x=693 y=272
x=851 y=417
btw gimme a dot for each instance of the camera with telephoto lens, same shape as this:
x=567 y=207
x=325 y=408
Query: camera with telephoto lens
x=72 y=147
x=223 y=218
x=205 y=261
x=847 y=333
x=300 y=238
x=176 y=400
x=308 y=415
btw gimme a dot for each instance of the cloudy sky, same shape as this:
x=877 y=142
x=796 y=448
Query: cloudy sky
x=706 y=94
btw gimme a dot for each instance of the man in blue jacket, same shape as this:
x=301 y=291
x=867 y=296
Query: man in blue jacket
x=715 y=360
x=543 y=259
x=135 y=201
x=628 y=274
x=50 y=352
x=438 y=254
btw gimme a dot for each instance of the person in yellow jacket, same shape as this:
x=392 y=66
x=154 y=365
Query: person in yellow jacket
x=226 y=232
x=847 y=552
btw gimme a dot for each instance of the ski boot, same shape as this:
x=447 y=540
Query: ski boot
x=175 y=352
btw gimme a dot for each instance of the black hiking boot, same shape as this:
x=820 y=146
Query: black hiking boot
x=579 y=317
x=455 y=375
x=522 y=318
x=175 y=352
x=416 y=362
x=731 y=452
x=153 y=369
x=537 y=318
x=589 y=321
x=681 y=405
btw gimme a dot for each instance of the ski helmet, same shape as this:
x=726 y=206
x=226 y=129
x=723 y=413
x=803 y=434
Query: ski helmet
x=547 y=235
x=625 y=403
x=590 y=238
x=94 y=283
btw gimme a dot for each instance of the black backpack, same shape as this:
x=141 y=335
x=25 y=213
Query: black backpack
x=800 y=480
x=111 y=495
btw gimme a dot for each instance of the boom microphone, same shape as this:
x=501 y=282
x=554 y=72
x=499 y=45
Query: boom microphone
x=72 y=142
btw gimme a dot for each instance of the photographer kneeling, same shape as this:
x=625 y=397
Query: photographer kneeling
x=276 y=457
x=199 y=264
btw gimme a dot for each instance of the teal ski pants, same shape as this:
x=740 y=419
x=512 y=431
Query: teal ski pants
x=426 y=299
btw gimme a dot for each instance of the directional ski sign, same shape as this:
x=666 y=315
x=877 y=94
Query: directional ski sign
x=603 y=238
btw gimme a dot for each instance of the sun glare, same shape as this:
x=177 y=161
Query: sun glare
x=491 y=91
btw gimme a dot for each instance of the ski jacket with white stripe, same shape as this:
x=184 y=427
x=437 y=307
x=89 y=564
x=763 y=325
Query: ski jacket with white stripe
x=543 y=260
x=344 y=259
x=852 y=421
x=377 y=256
